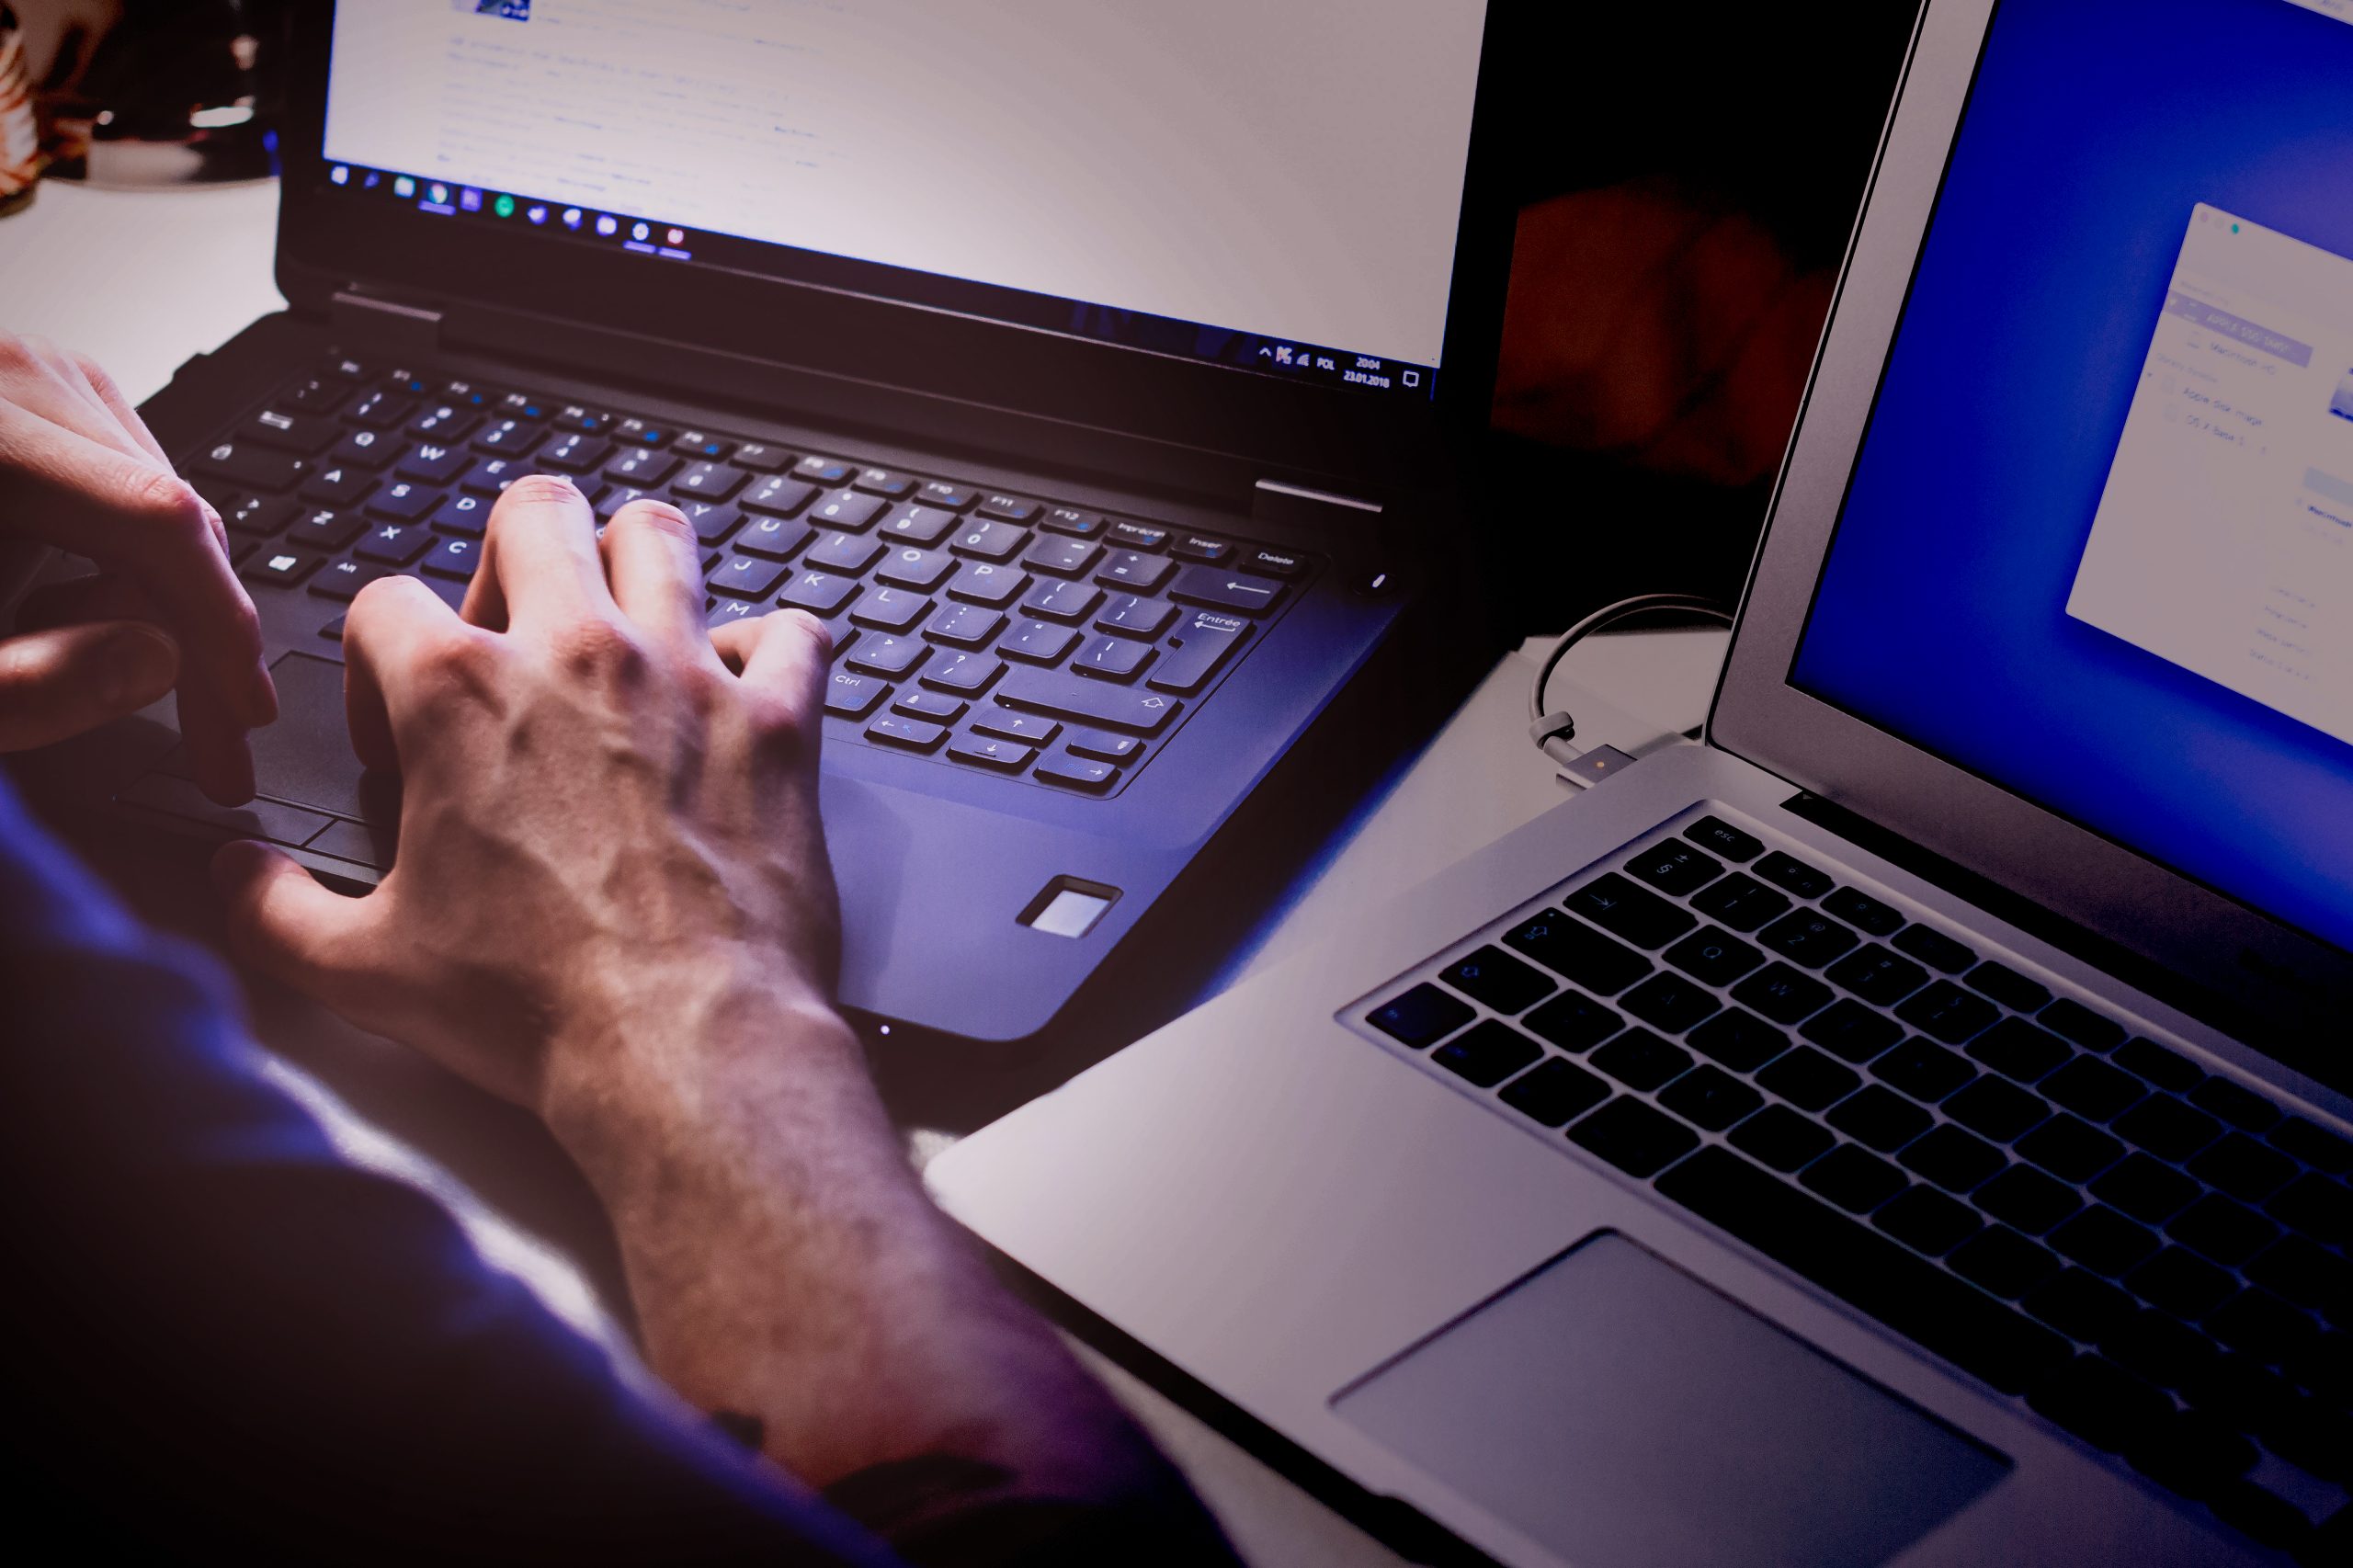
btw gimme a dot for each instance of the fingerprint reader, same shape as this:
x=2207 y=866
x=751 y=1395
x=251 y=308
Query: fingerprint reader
x=1070 y=914
x=1068 y=907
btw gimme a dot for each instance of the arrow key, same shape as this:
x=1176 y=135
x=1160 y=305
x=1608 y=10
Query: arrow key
x=1078 y=772
x=1007 y=756
x=1005 y=725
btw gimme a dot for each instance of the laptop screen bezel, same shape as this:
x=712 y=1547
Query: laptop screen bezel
x=329 y=240
x=2283 y=981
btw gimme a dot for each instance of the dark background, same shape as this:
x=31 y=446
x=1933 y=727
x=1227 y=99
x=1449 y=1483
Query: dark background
x=1769 y=115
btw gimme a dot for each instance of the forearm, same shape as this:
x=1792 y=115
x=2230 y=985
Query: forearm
x=786 y=1267
x=191 y=1239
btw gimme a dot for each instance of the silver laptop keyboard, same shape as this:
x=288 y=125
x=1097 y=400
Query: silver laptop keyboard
x=2151 y=1255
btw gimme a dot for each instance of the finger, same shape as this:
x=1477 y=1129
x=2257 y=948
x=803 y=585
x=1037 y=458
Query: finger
x=46 y=381
x=734 y=641
x=486 y=602
x=286 y=924
x=147 y=524
x=784 y=670
x=109 y=393
x=104 y=597
x=60 y=683
x=220 y=757
x=540 y=553
x=654 y=566
x=394 y=622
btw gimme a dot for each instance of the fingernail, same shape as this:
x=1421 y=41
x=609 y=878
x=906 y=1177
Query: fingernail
x=136 y=665
x=818 y=629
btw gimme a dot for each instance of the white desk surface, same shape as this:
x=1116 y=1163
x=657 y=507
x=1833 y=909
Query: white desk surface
x=142 y=280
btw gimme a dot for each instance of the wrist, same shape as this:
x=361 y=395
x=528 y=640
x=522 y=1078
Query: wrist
x=668 y=1065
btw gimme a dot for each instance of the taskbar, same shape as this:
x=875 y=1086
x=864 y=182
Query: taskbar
x=663 y=241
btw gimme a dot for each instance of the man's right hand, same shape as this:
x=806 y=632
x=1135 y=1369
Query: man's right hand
x=612 y=904
x=78 y=471
x=596 y=810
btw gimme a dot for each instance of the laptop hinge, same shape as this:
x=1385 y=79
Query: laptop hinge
x=370 y=325
x=1275 y=501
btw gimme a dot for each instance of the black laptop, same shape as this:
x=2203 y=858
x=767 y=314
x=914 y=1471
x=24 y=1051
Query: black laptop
x=1101 y=373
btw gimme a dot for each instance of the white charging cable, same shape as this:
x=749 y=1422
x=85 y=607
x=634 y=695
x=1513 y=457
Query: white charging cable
x=1555 y=733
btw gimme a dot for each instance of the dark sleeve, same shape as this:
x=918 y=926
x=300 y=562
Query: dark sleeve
x=224 y=1339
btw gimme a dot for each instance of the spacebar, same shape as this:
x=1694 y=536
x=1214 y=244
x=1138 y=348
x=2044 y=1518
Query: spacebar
x=1909 y=1295
x=1087 y=701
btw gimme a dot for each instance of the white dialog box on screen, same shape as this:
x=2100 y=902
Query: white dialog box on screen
x=2224 y=539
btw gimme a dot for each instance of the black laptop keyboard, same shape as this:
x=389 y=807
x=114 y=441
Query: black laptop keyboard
x=1004 y=633
x=2152 y=1255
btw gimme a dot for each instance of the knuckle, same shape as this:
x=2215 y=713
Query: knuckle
x=166 y=498
x=783 y=727
x=21 y=665
x=450 y=665
x=603 y=651
x=706 y=690
x=243 y=624
x=98 y=375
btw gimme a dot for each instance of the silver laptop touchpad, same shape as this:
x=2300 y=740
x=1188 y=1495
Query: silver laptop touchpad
x=1627 y=1416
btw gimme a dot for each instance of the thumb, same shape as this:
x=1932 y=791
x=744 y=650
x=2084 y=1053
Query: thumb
x=286 y=924
x=58 y=682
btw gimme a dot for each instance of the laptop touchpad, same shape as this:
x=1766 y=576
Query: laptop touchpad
x=306 y=756
x=1623 y=1413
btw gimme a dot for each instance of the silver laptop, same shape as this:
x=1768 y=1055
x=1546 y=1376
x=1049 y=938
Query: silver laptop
x=1911 y=1126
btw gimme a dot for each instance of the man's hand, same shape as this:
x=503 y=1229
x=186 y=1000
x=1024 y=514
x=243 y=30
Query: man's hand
x=612 y=904
x=596 y=809
x=78 y=471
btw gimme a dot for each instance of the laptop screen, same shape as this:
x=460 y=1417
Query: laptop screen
x=2098 y=547
x=1272 y=184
